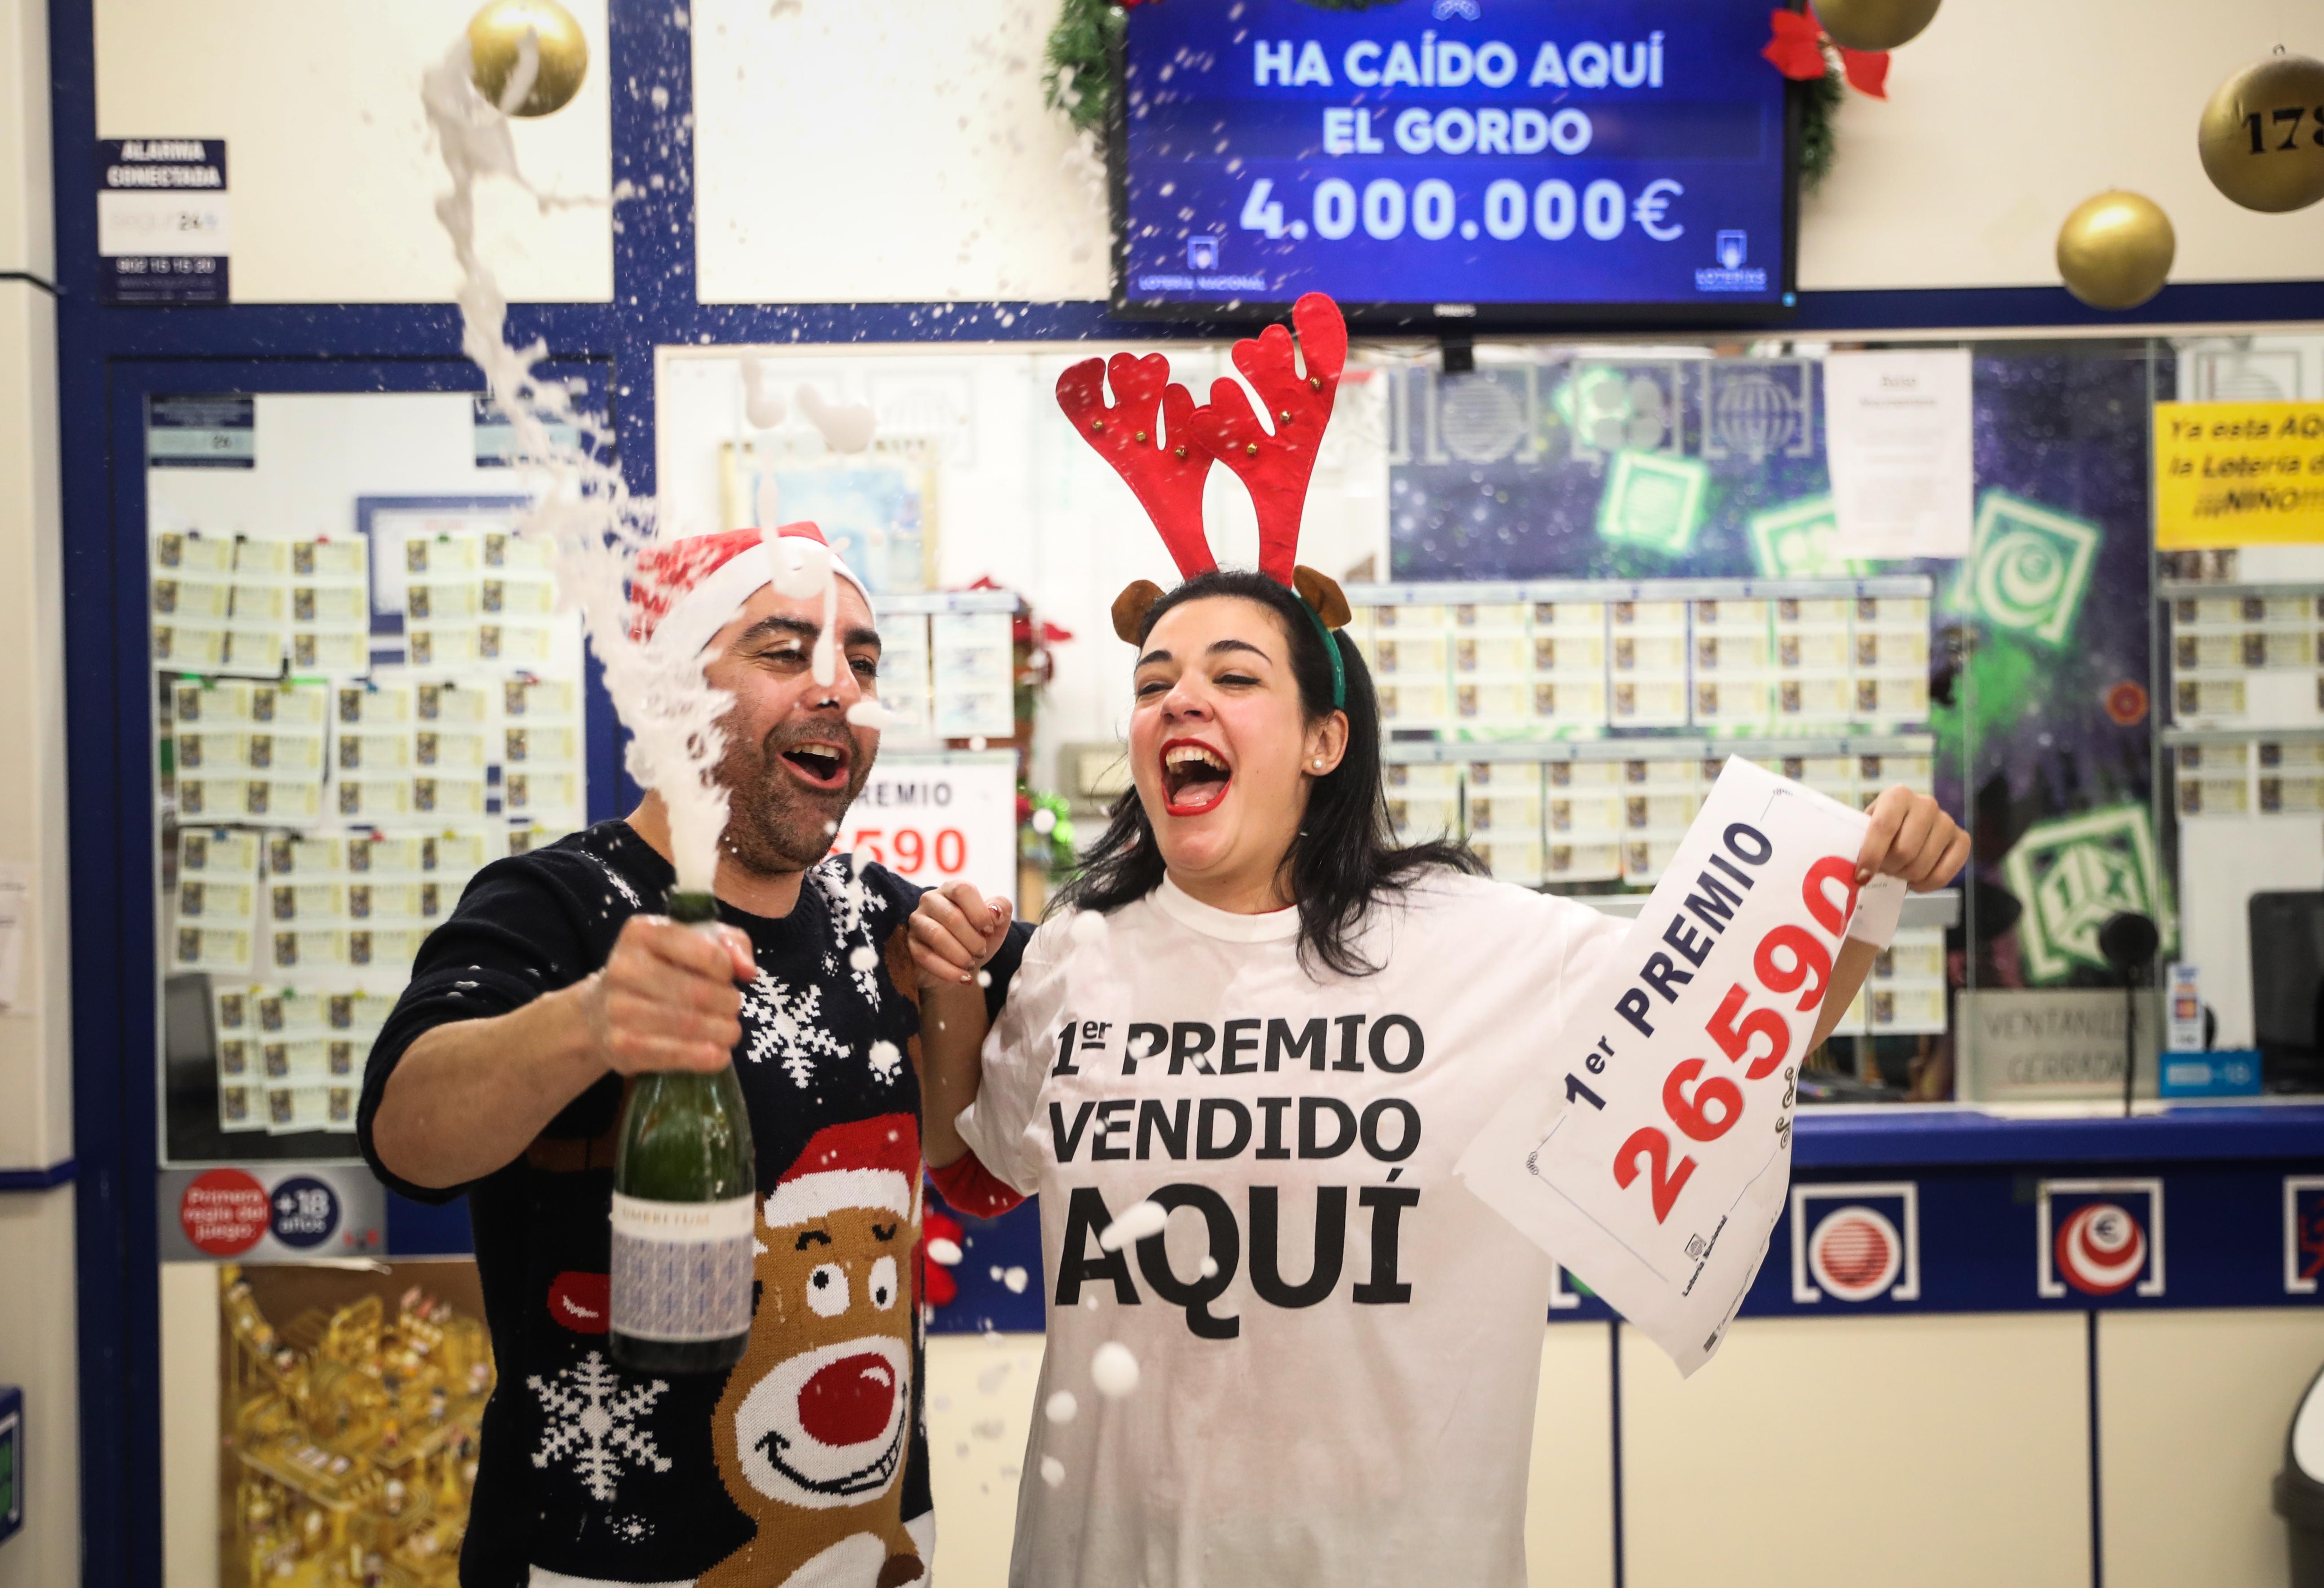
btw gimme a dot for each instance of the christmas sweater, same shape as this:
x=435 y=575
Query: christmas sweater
x=807 y=1462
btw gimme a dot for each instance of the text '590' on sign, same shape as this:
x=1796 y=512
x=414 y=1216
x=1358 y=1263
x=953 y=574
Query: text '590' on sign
x=935 y=820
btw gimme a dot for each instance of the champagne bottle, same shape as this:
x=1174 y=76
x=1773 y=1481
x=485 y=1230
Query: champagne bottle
x=684 y=1212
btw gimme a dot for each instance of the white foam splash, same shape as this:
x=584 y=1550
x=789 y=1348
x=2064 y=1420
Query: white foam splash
x=585 y=510
x=527 y=73
x=945 y=1253
x=1062 y=1407
x=763 y=407
x=846 y=427
x=1016 y=1279
x=1114 y=1371
x=1053 y=1470
x=1137 y=1222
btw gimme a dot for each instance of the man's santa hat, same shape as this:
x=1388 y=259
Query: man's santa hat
x=866 y=1163
x=684 y=591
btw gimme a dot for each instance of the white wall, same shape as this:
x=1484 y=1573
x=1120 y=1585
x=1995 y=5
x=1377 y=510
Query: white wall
x=36 y=1035
x=39 y=1353
x=2002 y=116
x=846 y=153
x=28 y=240
x=866 y=153
x=38 y=1345
x=328 y=168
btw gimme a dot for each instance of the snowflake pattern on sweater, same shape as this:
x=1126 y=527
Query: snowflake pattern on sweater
x=781 y=1022
x=592 y=1419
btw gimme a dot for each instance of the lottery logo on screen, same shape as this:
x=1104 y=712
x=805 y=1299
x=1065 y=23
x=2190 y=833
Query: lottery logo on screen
x=2303 y=1234
x=1856 y=1243
x=2099 y=1238
x=305 y=1211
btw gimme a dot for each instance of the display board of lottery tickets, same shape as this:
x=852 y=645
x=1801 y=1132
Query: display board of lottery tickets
x=347 y=728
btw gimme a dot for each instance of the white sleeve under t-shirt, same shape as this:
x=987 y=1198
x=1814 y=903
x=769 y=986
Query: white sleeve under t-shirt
x=1338 y=1343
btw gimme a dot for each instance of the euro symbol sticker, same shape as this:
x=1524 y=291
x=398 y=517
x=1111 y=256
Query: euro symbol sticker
x=1648 y=208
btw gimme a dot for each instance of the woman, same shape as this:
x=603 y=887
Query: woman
x=1256 y=1012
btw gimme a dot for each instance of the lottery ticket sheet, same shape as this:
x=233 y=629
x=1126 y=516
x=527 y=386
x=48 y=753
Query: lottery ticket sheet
x=1650 y=1153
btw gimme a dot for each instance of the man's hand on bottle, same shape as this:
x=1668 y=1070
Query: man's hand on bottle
x=955 y=930
x=666 y=999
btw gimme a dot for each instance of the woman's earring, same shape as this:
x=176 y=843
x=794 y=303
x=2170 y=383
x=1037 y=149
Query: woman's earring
x=1319 y=763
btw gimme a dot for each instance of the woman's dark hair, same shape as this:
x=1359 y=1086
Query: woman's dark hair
x=1345 y=854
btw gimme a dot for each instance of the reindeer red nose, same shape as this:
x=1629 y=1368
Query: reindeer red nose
x=849 y=1401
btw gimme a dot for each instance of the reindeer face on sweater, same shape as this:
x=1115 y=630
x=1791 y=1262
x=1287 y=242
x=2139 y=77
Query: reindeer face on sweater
x=817 y=1413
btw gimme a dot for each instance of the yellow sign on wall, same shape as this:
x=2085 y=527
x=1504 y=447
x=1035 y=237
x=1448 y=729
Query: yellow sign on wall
x=2237 y=473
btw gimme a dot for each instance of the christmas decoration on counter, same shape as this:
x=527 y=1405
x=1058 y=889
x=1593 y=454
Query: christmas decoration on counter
x=1875 y=25
x=527 y=57
x=2114 y=249
x=1803 y=50
x=2262 y=136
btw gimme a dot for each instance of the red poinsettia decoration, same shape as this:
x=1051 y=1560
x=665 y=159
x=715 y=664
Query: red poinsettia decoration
x=1797 y=49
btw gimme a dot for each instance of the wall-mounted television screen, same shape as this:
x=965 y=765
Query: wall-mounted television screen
x=1433 y=161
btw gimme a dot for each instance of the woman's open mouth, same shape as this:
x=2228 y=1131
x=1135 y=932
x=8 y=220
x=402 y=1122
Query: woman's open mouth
x=1194 y=777
x=820 y=766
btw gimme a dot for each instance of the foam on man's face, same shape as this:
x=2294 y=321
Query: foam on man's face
x=794 y=761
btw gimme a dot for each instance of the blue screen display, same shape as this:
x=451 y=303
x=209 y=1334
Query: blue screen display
x=1452 y=151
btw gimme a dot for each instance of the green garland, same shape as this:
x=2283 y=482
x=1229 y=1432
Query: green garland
x=1819 y=100
x=1077 y=63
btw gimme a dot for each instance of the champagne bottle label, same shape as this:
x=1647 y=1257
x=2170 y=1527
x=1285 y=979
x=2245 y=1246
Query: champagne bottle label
x=682 y=1270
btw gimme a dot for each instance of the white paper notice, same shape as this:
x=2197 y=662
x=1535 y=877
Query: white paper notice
x=15 y=920
x=1896 y=440
x=1652 y=1156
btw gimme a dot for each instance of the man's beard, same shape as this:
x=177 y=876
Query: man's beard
x=775 y=823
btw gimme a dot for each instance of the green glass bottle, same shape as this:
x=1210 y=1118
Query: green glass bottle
x=684 y=1213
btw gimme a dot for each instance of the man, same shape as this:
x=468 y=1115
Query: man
x=501 y=1075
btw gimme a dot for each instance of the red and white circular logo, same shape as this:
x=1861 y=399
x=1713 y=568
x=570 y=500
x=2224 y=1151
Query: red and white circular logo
x=2101 y=1249
x=1855 y=1253
x=225 y=1212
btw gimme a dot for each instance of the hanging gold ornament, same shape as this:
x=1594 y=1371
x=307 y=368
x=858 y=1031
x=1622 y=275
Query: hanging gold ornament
x=496 y=37
x=2114 y=249
x=1873 y=25
x=2262 y=136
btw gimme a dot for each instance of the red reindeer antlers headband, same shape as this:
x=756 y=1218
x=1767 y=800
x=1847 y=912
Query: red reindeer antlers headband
x=1165 y=464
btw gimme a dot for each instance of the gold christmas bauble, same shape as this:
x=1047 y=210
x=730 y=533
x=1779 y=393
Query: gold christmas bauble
x=1873 y=25
x=2262 y=136
x=2114 y=249
x=496 y=44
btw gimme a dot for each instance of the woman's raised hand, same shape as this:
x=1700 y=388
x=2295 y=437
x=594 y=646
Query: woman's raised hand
x=1910 y=837
x=953 y=931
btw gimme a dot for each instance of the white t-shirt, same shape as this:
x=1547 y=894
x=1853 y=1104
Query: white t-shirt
x=1367 y=1421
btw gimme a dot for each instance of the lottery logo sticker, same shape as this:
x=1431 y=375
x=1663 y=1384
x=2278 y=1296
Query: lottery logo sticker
x=2101 y=1238
x=2028 y=569
x=2075 y=874
x=305 y=1212
x=2303 y=1234
x=223 y=1213
x=1856 y=1243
